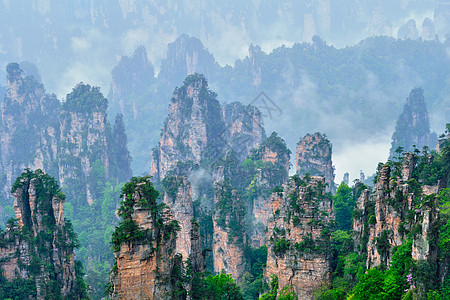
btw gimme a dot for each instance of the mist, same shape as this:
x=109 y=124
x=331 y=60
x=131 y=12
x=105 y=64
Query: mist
x=344 y=68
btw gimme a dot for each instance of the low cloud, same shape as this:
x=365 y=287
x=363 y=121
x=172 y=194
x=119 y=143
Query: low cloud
x=352 y=157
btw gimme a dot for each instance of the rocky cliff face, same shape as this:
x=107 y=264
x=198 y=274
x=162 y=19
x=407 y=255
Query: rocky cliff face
x=229 y=237
x=186 y=56
x=131 y=75
x=68 y=141
x=398 y=206
x=83 y=137
x=38 y=250
x=73 y=142
x=216 y=165
x=198 y=131
x=413 y=126
x=299 y=233
x=313 y=156
x=274 y=153
x=144 y=246
x=244 y=129
x=192 y=126
x=178 y=196
x=29 y=126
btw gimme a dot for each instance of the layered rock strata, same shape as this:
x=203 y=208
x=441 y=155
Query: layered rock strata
x=298 y=230
x=145 y=247
x=397 y=207
x=39 y=248
x=199 y=131
x=313 y=157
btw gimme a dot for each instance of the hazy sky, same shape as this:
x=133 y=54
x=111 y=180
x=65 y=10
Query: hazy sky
x=72 y=41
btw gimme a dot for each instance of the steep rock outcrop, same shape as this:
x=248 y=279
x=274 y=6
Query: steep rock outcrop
x=199 y=132
x=87 y=147
x=120 y=164
x=144 y=246
x=131 y=75
x=398 y=206
x=413 y=126
x=67 y=141
x=275 y=155
x=39 y=250
x=244 y=130
x=192 y=126
x=186 y=56
x=313 y=156
x=178 y=197
x=299 y=233
x=29 y=126
x=229 y=238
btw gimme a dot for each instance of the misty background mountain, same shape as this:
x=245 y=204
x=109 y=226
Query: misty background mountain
x=368 y=75
x=353 y=94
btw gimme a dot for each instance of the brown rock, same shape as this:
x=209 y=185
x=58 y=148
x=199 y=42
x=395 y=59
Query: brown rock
x=297 y=247
x=145 y=267
x=39 y=209
x=313 y=156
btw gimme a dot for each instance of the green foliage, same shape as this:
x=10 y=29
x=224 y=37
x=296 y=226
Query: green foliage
x=229 y=209
x=17 y=289
x=382 y=243
x=148 y=196
x=286 y=293
x=252 y=280
x=274 y=143
x=171 y=185
x=85 y=98
x=444 y=233
x=128 y=230
x=370 y=285
x=221 y=287
x=48 y=238
x=272 y=293
x=344 y=203
x=281 y=246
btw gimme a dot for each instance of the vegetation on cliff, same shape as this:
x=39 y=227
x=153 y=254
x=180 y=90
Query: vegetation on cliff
x=128 y=231
x=85 y=98
x=45 y=244
x=406 y=274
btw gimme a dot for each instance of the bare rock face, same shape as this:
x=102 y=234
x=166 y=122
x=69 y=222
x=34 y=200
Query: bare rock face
x=83 y=131
x=29 y=126
x=193 y=124
x=313 y=156
x=198 y=131
x=144 y=246
x=299 y=236
x=274 y=153
x=397 y=206
x=40 y=247
x=244 y=130
x=228 y=238
x=178 y=197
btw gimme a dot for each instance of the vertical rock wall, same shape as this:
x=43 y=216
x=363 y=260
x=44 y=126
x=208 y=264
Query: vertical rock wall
x=398 y=206
x=146 y=260
x=299 y=236
x=313 y=156
x=41 y=246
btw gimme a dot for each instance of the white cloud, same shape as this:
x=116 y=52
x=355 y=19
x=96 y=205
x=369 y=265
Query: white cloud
x=352 y=157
